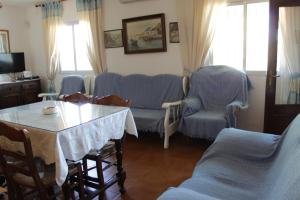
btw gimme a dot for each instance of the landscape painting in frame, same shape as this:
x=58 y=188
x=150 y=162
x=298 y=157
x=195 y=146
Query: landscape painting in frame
x=144 y=34
x=113 y=38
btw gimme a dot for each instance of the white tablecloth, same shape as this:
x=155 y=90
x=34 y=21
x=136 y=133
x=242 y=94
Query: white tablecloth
x=75 y=142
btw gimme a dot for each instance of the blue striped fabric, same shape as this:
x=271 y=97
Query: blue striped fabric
x=87 y=5
x=52 y=9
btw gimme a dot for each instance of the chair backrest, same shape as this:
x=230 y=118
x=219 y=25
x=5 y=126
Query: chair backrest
x=77 y=98
x=144 y=91
x=72 y=84
x=112 y=100
x=13 y=162
x=217 y=86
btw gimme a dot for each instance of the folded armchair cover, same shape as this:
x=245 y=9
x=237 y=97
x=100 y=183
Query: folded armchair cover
x=216 y=92
x=246 y=165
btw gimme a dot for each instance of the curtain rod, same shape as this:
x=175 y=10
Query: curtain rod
x=42 y=4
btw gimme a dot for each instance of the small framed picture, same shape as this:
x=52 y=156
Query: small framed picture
x=174 y=32
x=4 y=41
x=113 y=38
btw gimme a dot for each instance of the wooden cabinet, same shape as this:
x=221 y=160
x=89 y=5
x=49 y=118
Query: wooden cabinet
x=19 y=93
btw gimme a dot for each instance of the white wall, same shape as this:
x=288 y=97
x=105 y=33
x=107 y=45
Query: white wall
x=12 y=18
x=253 y=117
x=150 y=64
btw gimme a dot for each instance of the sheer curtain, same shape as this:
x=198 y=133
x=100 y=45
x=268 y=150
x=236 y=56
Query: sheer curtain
x=197 y=20
x=91 y=21
x=288 y=63
x=52 y=19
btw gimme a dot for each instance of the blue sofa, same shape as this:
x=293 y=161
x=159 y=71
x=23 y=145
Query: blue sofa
x=244 y=165
x=155 y=100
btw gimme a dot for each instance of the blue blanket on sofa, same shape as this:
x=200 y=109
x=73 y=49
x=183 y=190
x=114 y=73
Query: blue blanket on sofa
x=245 y=165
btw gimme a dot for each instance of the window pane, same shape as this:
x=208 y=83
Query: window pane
x=66 y=48
x=80 y=45
x=228 y=41
x=257 y=36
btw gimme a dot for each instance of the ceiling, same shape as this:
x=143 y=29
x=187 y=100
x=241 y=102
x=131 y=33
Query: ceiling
x=19 y=2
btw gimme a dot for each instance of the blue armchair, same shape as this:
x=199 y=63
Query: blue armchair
x=69 y=85
x=216 y=93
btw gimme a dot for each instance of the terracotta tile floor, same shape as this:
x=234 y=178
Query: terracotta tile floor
x=151 y=169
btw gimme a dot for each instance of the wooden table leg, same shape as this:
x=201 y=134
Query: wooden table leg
x=121 y=174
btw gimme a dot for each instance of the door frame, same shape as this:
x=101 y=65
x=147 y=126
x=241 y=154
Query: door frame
x=277 y=117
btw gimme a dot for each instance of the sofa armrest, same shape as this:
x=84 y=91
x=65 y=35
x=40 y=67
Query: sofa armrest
x=231 y=110
x=171 y=120
x=170 y=104
x=46 y=95
x=190 y=105
x=244 y=144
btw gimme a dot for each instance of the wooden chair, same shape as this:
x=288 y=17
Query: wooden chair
x=105 y=154
x=23 y=171
x=77 y=98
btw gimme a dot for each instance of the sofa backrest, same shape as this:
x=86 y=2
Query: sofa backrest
x=143 y=91
x=217 y=86
x=283 y=179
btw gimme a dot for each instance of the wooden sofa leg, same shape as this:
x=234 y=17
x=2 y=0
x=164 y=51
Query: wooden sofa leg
x=166 y=143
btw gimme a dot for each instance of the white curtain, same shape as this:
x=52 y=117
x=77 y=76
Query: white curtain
x=288 y=84
x=91 y=20
x=52 y=18
x=197 y=20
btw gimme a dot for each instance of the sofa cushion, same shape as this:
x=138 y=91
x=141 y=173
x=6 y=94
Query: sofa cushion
x=149 y=120
x=212 y=122
x=148 y=92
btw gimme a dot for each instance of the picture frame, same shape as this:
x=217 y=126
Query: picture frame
x=113 y=38
x=145 y=34
x=174 y=32
x=4 y=41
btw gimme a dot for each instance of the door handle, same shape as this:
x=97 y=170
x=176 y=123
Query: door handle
x=271 y=76
x=275 y=76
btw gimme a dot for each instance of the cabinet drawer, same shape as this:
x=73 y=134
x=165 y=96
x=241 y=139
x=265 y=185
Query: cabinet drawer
x=10 y=89
x=30 y=86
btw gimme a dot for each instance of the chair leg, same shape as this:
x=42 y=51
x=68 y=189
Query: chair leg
x=121 y=173
x=100 y=177
x=85 y=167
x=66 y=190
x=166 y=142
x=80 y=181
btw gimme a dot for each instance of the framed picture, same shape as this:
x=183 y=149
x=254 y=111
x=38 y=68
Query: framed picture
x=113 y=38
x=4 y=41
x=144 y=34
x=174 y=32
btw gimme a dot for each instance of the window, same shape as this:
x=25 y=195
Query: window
x=241 y=37
x=72 y=49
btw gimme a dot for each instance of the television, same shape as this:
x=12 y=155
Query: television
x=12 y=63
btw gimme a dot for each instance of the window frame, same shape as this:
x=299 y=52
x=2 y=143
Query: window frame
x=75 y=71
x=244 y=3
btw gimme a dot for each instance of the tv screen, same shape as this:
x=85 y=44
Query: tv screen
x=12 y=62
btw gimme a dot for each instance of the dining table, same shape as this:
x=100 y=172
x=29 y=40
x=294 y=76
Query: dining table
x=69 y=132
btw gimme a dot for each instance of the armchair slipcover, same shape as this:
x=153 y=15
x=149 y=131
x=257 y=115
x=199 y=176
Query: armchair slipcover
x=69 y=85
x=216 y=92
